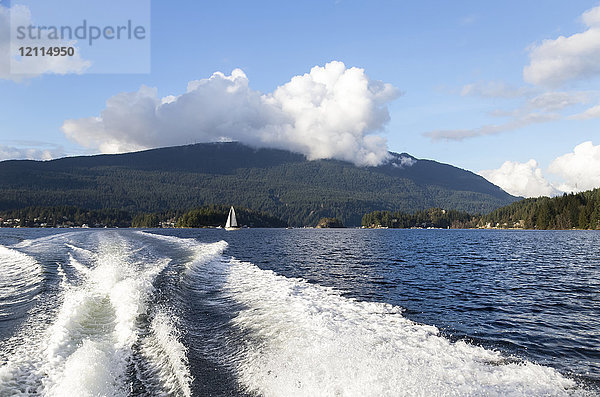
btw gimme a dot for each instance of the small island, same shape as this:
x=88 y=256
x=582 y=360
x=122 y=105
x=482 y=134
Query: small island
x=329 y=223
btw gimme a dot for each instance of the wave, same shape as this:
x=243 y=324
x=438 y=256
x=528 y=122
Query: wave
x=309 y=340
x=20 y=279
x=167 y=357
x=88 y=350
x=301 y=339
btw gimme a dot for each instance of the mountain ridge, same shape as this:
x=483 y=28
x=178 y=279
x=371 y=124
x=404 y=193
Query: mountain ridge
x=280 y=182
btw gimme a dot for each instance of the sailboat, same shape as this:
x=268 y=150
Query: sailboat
x=231 y=223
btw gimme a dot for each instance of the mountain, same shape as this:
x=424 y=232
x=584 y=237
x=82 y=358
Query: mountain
x=279 y=182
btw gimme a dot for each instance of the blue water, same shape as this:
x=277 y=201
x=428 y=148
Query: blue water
x=300 y=312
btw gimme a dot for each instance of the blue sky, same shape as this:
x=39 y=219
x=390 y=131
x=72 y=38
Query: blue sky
x=457 y=68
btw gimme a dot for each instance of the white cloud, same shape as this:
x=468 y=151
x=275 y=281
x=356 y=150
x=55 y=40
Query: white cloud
x=520 y=179
x=330 y=112
x=542 y=108
x=518 y=121
x=590 y=113
x=28 y=67
x=557 y=100
x=555 y=62
x=494 y=89
x=403 y=161
x=28 y=153
x=580 y=169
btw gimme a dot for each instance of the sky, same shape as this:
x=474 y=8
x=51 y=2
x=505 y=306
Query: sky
x=509 y=90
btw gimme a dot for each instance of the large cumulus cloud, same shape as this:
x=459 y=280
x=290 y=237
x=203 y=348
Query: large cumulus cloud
x=520 y=179
x=579 y=169
x=331 y=112
x=576 y=171
x=558 y=61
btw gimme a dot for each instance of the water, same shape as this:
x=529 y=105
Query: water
x=299 y=312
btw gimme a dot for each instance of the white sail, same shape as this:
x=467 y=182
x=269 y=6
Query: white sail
x=231 y=220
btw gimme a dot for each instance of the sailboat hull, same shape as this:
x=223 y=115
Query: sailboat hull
x=232 y=228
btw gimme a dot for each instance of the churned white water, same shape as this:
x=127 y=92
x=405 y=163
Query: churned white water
x=88 y=348
x=167 y=357
x=306 y=340
x=91 y=340
x=309 y=340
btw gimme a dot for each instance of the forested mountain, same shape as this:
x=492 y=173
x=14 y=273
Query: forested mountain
x=278 y=182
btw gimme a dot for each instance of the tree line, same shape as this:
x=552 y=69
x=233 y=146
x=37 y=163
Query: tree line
x=569 y=211
x=575 y=210
x=70 y=216
x=433 y=217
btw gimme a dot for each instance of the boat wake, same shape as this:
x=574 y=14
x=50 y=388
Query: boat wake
x=111 y=335
x=296 y=338
x=95 y=342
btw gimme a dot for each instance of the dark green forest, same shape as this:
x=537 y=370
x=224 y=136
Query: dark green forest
x=433 y=217
x=216 y=215
x=579 y=211
x=569 y=211
x=65 y=216
x=194 y=185
x=277 y=182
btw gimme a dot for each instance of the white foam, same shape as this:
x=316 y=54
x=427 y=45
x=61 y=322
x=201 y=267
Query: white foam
x=307 y=340
x=202 y=252
x=42 y=243
x=93 y=369
x=98 y=321
x=21 y=277
x=78 y=266
x=167 y=356
x=300 y=339
x=88 y=347
x=85 y=254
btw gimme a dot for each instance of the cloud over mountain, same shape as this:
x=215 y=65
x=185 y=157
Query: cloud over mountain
x=578 y=171
x=520 y=179
x=29 y=153
x=331 y=112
